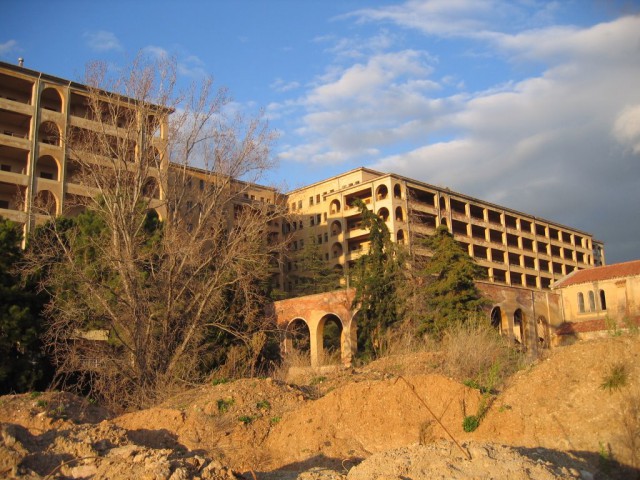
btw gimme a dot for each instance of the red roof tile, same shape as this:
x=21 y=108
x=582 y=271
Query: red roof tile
x=617 y=270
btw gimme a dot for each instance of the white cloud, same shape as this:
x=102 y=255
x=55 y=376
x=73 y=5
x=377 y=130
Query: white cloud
x=279 y=85
x=562 y=143
x=8 y=47
x=102 y=41
x=627 y=128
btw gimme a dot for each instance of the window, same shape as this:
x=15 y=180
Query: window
x=312 y=220
x=299 y=204
x=319 y=239
x=603 y=300
x=310 y=201
x=47 y=175
x=592 y=302
x=580 y=302
x=326 y=237
x=318 y=198
x=201 y=184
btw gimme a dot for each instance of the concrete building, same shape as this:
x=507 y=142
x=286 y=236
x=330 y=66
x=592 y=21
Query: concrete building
x=513 y=248
x=41 y=114
x=599 y=300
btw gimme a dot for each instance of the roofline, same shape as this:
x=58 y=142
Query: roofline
x=449 y=191
x=495 y=205
x=358 y=169
x=71 y=83
x=209 y=172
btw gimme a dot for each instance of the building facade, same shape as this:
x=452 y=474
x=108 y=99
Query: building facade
x=513 y=248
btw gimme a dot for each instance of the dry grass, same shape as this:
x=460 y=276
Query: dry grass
x=629 y=427
x=295 y=359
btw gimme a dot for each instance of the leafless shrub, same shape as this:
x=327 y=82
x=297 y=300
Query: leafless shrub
x=166 y=276
x=475 y=351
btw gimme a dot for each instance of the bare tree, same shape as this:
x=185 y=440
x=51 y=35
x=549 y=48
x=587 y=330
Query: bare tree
x=168 y=266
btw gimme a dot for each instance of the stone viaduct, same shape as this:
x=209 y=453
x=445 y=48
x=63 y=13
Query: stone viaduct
x=527 y=317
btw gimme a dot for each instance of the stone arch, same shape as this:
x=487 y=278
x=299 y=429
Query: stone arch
x=399 y=214
x=51 y=99
x=48 y=167
x=383 y=213
x=336 y=227
x=400 y=238
x=46 y=203
x=443 y=221
x=542 y=332
x=496 y=318
x=397 y=191
x=330 y=335
x=334 y=206
x=443 y=204
x=336 y=250
x=49 y=133
x=519 y=327
x=382 y=192
x=298 y=339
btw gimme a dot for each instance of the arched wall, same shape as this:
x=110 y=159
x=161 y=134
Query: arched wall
x=315 y=309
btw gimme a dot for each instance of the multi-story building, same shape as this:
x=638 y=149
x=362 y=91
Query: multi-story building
x=37 y=168
x=512 y=247
x=39 y=176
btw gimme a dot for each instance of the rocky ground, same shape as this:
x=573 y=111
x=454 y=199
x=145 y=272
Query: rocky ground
x=552 y=420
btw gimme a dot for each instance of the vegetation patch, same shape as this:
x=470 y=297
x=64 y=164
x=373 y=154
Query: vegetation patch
x=616 y=378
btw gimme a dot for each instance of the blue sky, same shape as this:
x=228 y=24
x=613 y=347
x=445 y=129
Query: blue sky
x=530 y=104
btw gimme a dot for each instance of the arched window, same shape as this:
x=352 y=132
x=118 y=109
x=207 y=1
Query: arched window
x=603 y=300
x=580 y=302
x=592 y=302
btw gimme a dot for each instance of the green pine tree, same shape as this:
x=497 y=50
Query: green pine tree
x=375 y=278
x=315 y=275
x=24 y=365
x=447 y=284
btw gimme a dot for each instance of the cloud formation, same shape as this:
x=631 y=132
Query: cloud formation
x=8 y=47
x=560 y=141
x=102 y=41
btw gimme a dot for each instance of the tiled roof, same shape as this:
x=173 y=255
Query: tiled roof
x=617 y=270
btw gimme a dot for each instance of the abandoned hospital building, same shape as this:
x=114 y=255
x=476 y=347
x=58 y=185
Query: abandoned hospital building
x=546 y=282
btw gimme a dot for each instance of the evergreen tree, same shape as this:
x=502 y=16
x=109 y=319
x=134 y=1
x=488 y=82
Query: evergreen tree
x=375 y=277
x=448 y=288
x=24 y=366
x=314 y=276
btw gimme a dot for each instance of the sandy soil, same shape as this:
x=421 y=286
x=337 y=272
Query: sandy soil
x=393 y=419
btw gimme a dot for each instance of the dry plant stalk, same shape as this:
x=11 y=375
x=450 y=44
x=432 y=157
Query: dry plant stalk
x=172 y=293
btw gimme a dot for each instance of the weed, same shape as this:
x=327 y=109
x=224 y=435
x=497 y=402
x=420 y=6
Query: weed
x=317 y=380
x=246 y=419
x=35 y=395
x=470 y=423
x=504 y=408
x=605 y=458
x=616 y=378
x=224 y=404
x=219 y=381
x=42 y=403
x=612 y=326
x=274 y=420
x=263 y=405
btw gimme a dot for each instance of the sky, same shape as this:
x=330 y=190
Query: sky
x=533 y=105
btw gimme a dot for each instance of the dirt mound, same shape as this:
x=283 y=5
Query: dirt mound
x=556 y=418
x=43 y=411
x=356 y=420
x=446 y=460
x=560 y=402
x=229 y=422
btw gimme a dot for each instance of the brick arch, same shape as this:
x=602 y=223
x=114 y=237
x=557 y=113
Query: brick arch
x=314 y=311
